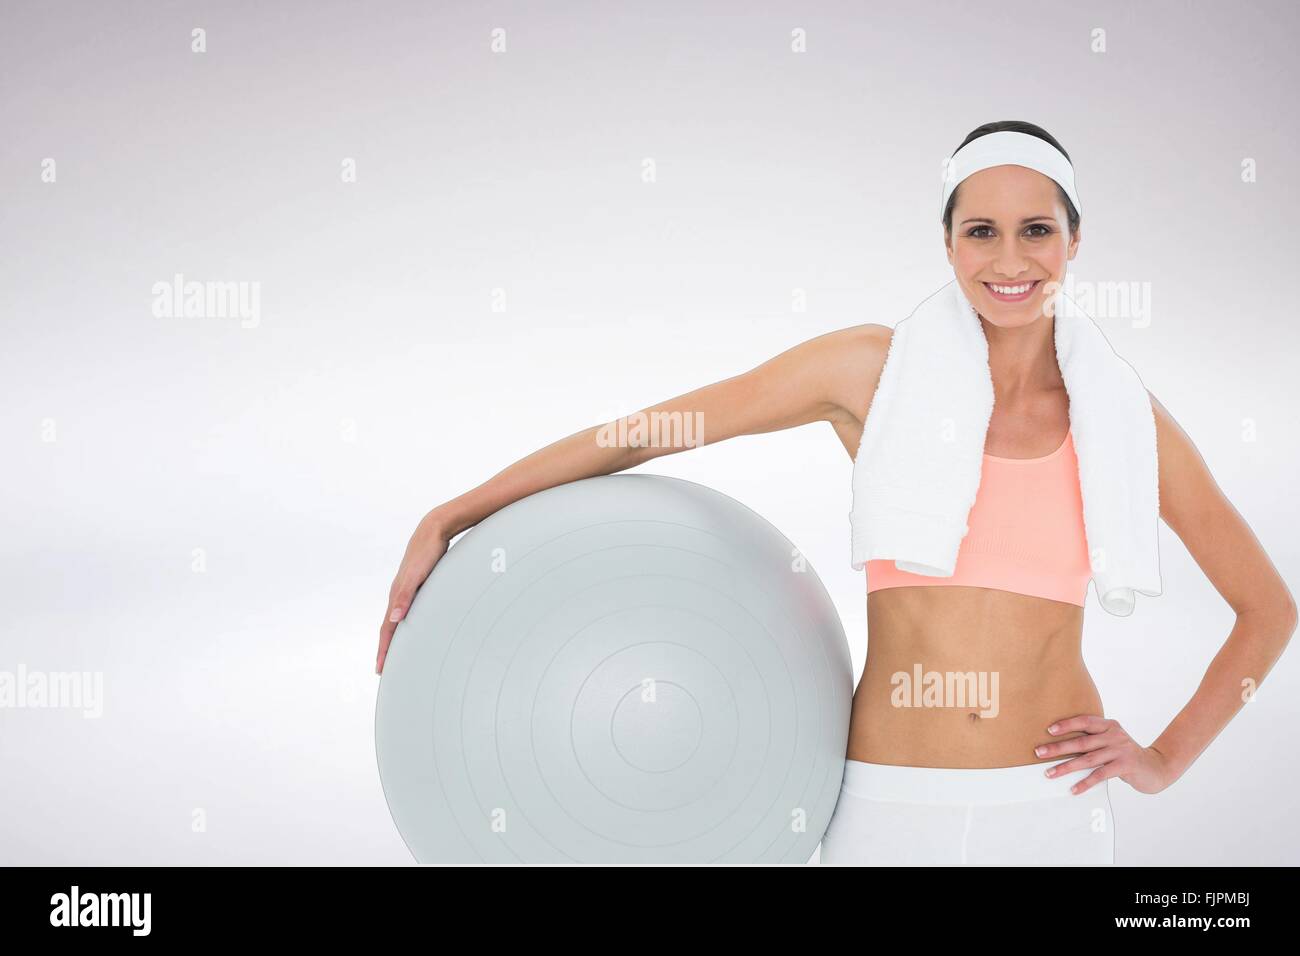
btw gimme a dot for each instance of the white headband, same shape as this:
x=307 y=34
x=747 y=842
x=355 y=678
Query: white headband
x=1006 y=148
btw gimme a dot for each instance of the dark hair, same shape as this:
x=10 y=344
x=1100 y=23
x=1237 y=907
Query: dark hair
x=1014 y=126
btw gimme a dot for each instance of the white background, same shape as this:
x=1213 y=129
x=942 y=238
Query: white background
x=247 y=691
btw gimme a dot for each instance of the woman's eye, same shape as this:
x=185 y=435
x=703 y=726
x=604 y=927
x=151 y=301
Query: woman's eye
x=980 y=232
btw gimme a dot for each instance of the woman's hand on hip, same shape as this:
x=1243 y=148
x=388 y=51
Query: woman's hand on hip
x=1105 y=746
x=427 y=545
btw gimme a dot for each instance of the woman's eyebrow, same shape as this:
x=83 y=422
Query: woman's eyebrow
x=1022 y=221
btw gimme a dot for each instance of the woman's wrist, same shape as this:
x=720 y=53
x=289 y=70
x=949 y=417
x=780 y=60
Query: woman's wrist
x=1170 y=767
x=438 y=523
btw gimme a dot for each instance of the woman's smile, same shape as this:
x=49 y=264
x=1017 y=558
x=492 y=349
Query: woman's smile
x=1018 y=292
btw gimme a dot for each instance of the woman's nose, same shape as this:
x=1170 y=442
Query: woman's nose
x=1009 y=261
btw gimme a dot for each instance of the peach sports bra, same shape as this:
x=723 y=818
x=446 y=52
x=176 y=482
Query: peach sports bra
x=1025 y=532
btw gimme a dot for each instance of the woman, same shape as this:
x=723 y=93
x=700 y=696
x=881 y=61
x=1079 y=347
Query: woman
x=1021 y=776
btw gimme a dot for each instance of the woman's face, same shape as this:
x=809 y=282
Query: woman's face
x=1010 y=230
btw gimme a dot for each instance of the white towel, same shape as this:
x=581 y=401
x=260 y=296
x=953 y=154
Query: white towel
x=918 y=466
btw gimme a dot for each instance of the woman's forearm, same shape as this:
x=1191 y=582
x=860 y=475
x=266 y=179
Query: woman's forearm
x=1255 y=643
x=580 y=455
x=821 y=379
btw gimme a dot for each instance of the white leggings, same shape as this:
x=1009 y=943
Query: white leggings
x=942 y=816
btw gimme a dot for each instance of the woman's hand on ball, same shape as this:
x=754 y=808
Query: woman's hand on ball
x=426 y=547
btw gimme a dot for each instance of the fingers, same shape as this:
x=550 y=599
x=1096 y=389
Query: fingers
x=1088 y=723
x=385 y=638
x=421 y=554
x=399 y=602
x=1099 y=758
x=386 y=633
x=1075 y=745
x=1087 y=783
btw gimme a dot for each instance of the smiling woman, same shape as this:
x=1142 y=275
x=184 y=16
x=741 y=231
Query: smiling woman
x=942 y=783
x=1039 y=207
x=1062 y=473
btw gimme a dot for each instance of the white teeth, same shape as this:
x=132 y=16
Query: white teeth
x=1010 y=289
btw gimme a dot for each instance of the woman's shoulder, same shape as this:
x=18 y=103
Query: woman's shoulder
x=872 y=341
x=855 y=362
x=867 y=343
x=870 y=332
x=854 y=349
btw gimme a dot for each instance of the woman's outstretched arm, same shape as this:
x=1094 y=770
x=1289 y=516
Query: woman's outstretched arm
x=828 y=378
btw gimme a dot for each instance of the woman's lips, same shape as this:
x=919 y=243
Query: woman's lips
x=1013 y=298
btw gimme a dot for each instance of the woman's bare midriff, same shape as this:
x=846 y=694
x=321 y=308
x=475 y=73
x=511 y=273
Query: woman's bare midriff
x=967 y=677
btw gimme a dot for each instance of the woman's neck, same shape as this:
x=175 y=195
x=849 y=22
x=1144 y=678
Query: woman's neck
x=1023 y=360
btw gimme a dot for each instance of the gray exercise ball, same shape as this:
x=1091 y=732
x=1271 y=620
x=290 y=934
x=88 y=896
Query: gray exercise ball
x=621 y=669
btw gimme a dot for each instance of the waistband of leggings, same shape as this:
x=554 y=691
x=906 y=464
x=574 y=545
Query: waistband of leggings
x=950 y=785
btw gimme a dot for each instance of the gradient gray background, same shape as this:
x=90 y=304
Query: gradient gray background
x=248 y=690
